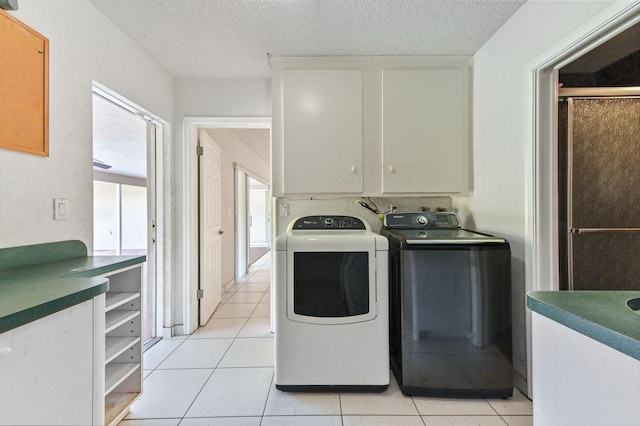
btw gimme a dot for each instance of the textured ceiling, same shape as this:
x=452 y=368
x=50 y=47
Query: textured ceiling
x=119 y=139
x=231 y=38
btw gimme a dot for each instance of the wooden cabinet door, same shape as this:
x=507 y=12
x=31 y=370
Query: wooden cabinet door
x=425 y=130
x=24 y=87
x=321 y=146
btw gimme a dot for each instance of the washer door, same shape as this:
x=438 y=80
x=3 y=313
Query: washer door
x=332 y=285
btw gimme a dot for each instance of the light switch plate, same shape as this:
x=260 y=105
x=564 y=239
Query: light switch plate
x=59 y=209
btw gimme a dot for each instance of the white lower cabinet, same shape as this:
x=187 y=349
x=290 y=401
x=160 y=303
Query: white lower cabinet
x=47 y=369
x=123 y=345
x=578 y=381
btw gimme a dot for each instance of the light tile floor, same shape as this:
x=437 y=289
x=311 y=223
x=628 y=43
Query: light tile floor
x=223 y=375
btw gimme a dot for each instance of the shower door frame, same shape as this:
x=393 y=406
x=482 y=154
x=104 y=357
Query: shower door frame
x=566 y=241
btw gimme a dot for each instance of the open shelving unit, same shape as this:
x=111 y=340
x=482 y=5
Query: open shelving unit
x=123 y=345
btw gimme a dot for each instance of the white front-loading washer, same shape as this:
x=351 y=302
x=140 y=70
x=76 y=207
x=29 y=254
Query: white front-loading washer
x=331 y=306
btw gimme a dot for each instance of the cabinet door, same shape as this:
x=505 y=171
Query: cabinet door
x=47 y=370
x=322 y=131
x=425 y=130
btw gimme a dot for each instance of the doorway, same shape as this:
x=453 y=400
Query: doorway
x=543 y=200
x=210 y=227
x=125 y=141
x=598 y=146
x=189 y=225
x=253 y=220
x=259 y=220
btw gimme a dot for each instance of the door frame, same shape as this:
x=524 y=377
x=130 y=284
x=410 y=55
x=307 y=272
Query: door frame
x=241 y=231
x=190 y=259
x=243 y=206
x=155 y=197
x=267 y=216
x=541 y=143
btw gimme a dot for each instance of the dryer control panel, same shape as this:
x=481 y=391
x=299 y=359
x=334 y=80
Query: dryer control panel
x=422 y=220
x=328 y=222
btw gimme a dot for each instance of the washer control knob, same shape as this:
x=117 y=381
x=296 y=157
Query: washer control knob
x=422 y=220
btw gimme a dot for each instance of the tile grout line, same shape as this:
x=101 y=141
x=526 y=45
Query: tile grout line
x=415 y=406
x=271 y=386
x=157 y=367
x=216 y=366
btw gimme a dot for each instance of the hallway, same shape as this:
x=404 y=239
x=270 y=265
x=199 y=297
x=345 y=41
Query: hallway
x=222 y=375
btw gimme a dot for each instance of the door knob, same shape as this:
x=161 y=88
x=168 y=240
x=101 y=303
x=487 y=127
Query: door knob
x=220 y=231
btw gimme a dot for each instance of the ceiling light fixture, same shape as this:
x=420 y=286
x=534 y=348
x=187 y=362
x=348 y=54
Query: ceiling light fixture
x=101 y=165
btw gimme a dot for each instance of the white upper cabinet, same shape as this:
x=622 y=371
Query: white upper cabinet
x=425 y=130
x=371 y=126
x=322 y=123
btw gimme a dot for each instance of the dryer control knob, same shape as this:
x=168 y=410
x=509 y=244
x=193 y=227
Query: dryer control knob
x=422 y=220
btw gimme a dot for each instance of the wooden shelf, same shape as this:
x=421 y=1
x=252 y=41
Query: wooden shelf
x=117 y=345
x=123 y=343
x=117 y=372
x=116 y=318
x=117 y=406
x=115 y=300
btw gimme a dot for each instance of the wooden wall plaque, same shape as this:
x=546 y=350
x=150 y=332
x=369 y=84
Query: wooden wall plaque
x=24 y=87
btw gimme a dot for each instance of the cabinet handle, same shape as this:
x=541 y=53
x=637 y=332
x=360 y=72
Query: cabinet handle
x=392 y=169
x=354 y=170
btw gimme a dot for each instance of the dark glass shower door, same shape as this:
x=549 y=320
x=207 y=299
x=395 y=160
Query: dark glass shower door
x=604 y=194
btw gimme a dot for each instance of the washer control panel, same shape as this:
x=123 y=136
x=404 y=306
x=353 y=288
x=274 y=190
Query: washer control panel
x=422 y=220
x=328 y=222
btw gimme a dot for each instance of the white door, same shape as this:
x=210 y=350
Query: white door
x=210 y=285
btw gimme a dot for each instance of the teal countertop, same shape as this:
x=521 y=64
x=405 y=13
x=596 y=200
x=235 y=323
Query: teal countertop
x=601 y=315
x=39 y=280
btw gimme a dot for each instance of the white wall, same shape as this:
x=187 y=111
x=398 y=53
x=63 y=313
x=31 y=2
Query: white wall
x=233 y=150
x=84 y=47
x=502 y=197
x=120 y=211
x=134 y=217
x=106 y=212
x=205 y=98
x=221 y=98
